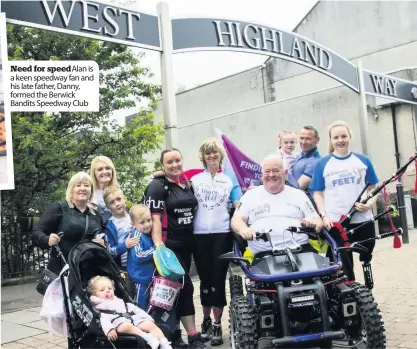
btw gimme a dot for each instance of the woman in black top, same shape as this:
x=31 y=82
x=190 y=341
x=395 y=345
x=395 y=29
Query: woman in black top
x=74 y=217
x=173 y=205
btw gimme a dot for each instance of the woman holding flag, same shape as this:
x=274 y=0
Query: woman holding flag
x=214 y=190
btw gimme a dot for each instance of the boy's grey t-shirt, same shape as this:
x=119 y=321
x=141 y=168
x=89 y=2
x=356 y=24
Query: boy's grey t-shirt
x=123 y=225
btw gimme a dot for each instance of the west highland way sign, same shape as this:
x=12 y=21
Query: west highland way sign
x=112 y=23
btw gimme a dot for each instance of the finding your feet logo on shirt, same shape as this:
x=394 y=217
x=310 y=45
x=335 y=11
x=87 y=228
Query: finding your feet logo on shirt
x=353 y=176
x=185 y=215
x=209 y=196
x=262 y=209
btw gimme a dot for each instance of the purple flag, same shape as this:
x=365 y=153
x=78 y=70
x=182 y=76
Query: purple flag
x=247 y=171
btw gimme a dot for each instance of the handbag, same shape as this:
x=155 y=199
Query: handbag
x=46 y=279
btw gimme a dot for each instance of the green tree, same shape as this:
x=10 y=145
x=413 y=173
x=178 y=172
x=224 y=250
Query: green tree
x=48 y=149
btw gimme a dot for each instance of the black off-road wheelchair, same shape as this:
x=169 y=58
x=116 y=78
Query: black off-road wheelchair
x=298 y=299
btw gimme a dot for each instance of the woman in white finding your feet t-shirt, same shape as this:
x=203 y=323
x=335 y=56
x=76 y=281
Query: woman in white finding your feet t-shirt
x=338 y=180
x=213 y=189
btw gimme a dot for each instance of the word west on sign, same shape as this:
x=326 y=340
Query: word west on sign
x=271 y=40
x=87 y=18
x=90 y=14
x=384 y=85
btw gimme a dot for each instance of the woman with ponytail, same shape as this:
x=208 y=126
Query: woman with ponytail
x=173 y=207
x=338 y=180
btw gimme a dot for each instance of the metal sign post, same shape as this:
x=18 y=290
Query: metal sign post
x=363 y=112
x=167 y=71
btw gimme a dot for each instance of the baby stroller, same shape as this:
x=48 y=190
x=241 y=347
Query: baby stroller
x=85 y=260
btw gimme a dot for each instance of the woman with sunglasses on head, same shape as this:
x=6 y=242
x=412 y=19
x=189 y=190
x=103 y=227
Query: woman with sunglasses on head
x=214 y=190
x=338 y=180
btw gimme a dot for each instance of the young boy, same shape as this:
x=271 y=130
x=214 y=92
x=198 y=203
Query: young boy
x=140 y=264
x=117 y=230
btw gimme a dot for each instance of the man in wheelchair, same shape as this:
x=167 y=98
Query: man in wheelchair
x=275 y=206
x=297 y=300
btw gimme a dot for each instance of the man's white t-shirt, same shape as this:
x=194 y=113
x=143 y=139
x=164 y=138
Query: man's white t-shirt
x=266 y=211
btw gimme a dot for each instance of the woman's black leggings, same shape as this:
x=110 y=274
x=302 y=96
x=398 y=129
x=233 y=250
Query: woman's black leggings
x=183 y=250
x=212 y=270
x=366 y=232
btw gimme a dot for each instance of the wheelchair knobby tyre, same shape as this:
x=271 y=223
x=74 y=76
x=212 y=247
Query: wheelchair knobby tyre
x=372 y=324
x=236 y=286
x=242 y=324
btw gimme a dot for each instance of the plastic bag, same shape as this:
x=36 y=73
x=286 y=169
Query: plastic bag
x=53 y=310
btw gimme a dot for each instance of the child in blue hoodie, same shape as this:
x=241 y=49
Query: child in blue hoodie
x=140 y=264
x=118 y=226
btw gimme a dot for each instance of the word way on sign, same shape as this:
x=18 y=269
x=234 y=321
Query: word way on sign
x=54 y=86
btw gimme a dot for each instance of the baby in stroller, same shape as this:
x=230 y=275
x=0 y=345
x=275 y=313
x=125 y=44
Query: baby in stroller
x=120 y=317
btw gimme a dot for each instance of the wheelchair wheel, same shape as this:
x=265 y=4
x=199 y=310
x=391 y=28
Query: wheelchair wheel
x=371 y=334
x=236 y=286
x=242 y=324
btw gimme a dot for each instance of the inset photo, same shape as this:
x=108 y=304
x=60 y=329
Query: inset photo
x=6 y=156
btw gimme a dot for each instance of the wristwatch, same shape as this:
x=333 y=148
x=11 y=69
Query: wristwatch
x=322 y=215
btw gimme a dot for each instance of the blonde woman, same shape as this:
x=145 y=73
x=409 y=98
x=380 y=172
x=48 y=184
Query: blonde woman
x=338 y=180
x=103 y=173
x=74 y=216
x=214 y=190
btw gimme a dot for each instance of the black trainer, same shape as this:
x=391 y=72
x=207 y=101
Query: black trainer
x=195 y=342
x=206 y=329
x=217 y=334
x=177 y=341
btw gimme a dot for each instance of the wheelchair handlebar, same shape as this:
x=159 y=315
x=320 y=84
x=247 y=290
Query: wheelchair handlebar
x=301 y=230
x=265 y=236
x=262 y=236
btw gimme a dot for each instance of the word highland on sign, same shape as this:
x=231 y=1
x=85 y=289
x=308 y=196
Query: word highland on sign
x=191 y=34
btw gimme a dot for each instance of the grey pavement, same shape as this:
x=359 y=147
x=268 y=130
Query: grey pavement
x=395 y=291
